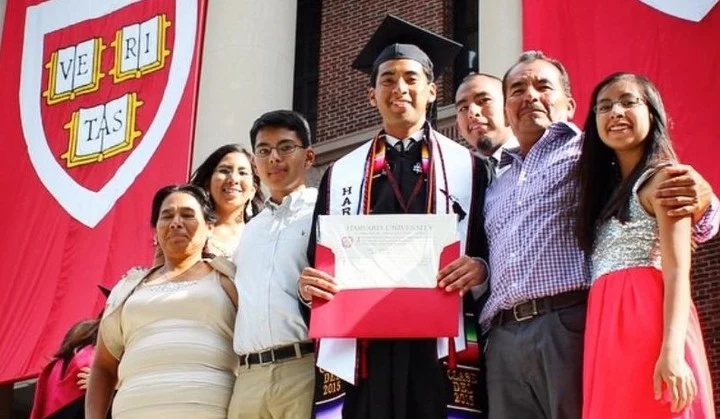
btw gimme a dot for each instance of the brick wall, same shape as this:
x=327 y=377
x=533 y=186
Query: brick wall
x=706 y=293
x=343 y=105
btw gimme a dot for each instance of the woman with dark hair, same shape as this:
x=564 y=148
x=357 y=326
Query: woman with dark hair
x=229 y=176
x=165 y=340
x=59 y=393
x=644 y=353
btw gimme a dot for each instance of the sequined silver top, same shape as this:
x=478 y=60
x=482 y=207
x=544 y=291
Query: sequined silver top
x=635 y=243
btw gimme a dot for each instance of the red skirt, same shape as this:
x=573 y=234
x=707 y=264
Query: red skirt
x=623 y=337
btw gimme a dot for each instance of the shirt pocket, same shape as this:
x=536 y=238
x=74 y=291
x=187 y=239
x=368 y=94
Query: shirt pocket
x=297 y=230
x=552 y=183
x=499 y=211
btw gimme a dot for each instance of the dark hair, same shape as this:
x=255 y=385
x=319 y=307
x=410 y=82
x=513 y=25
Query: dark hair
x=529 y=57
x=474 y=74
x=200 y=195
x=374 y=74
x=80 y=335
x=603 y=193
x=201 y=176
x=291 y=120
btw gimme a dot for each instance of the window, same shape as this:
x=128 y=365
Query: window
x=307 y=60
x=466 y=30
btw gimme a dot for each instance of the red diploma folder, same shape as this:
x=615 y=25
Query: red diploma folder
x=386 y=312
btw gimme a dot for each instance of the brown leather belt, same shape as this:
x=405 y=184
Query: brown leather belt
x=530 y=309
x=296 y=350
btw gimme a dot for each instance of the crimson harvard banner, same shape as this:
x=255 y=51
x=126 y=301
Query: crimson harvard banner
x=98 y=103
x=673 y=42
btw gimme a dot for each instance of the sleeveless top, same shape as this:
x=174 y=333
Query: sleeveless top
x=635 y=243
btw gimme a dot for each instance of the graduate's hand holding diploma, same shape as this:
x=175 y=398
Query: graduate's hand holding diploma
x=462 y=274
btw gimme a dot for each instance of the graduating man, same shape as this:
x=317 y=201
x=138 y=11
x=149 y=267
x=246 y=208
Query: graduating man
x=414 y=170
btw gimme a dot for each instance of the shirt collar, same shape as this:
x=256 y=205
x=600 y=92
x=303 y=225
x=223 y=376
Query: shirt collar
x=507 y=155
x=416 y=136
x=557 y=131
x=510 y=143
x=564 y=127
x=293 y=201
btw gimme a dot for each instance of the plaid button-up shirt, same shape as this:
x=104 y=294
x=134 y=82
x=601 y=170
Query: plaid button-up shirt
x=530 y=223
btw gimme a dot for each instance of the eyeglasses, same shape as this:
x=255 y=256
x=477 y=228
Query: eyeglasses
x=285 y=148
x=626 y=102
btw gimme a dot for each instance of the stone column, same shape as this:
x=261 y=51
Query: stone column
x=247 y=69
x=3 y=4
x=500 y=42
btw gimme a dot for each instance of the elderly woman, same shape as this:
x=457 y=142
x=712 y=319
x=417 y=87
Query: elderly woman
x=234 y=187
x=165 y=340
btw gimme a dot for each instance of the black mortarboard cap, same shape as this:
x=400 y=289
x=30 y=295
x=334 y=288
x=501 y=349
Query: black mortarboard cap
x=397 y=39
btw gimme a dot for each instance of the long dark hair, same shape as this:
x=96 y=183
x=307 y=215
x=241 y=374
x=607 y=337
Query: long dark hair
x=603 y=193
x=80 y=335
x=201 y=177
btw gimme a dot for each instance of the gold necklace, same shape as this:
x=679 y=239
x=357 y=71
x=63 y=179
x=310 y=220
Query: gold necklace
x=168 y=278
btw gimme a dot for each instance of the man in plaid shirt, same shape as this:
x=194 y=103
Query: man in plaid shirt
x=535 y=313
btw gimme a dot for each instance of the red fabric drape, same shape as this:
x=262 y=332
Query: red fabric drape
x=51 y=258
x=596 y=38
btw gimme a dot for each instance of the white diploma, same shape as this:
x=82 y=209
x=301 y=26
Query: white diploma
x=387 y=251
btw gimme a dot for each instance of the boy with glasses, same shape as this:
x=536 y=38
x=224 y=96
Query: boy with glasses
x=276 y=377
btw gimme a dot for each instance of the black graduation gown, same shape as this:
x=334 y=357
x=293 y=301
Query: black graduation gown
x=405 y=379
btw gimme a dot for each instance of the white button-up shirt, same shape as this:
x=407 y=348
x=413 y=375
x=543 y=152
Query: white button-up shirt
x=269 y=258
x=406 y=142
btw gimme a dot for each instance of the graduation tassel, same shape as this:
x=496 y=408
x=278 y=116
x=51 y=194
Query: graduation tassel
x=431 y=114
x=364 y=345
x=452 y=358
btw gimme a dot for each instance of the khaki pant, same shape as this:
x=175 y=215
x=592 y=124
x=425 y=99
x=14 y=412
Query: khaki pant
x=283 y=389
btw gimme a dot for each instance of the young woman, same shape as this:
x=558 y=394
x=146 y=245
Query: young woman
x=229 y=177
x=644 y=353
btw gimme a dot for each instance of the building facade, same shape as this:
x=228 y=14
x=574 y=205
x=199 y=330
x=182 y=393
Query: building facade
x=345 y=118
x=271 y=54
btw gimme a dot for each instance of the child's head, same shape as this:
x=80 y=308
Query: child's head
x=627 y=115
x=81 y=334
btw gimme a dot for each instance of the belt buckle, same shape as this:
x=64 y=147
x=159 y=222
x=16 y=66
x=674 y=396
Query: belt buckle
x=527 y=317
x=260 y=358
